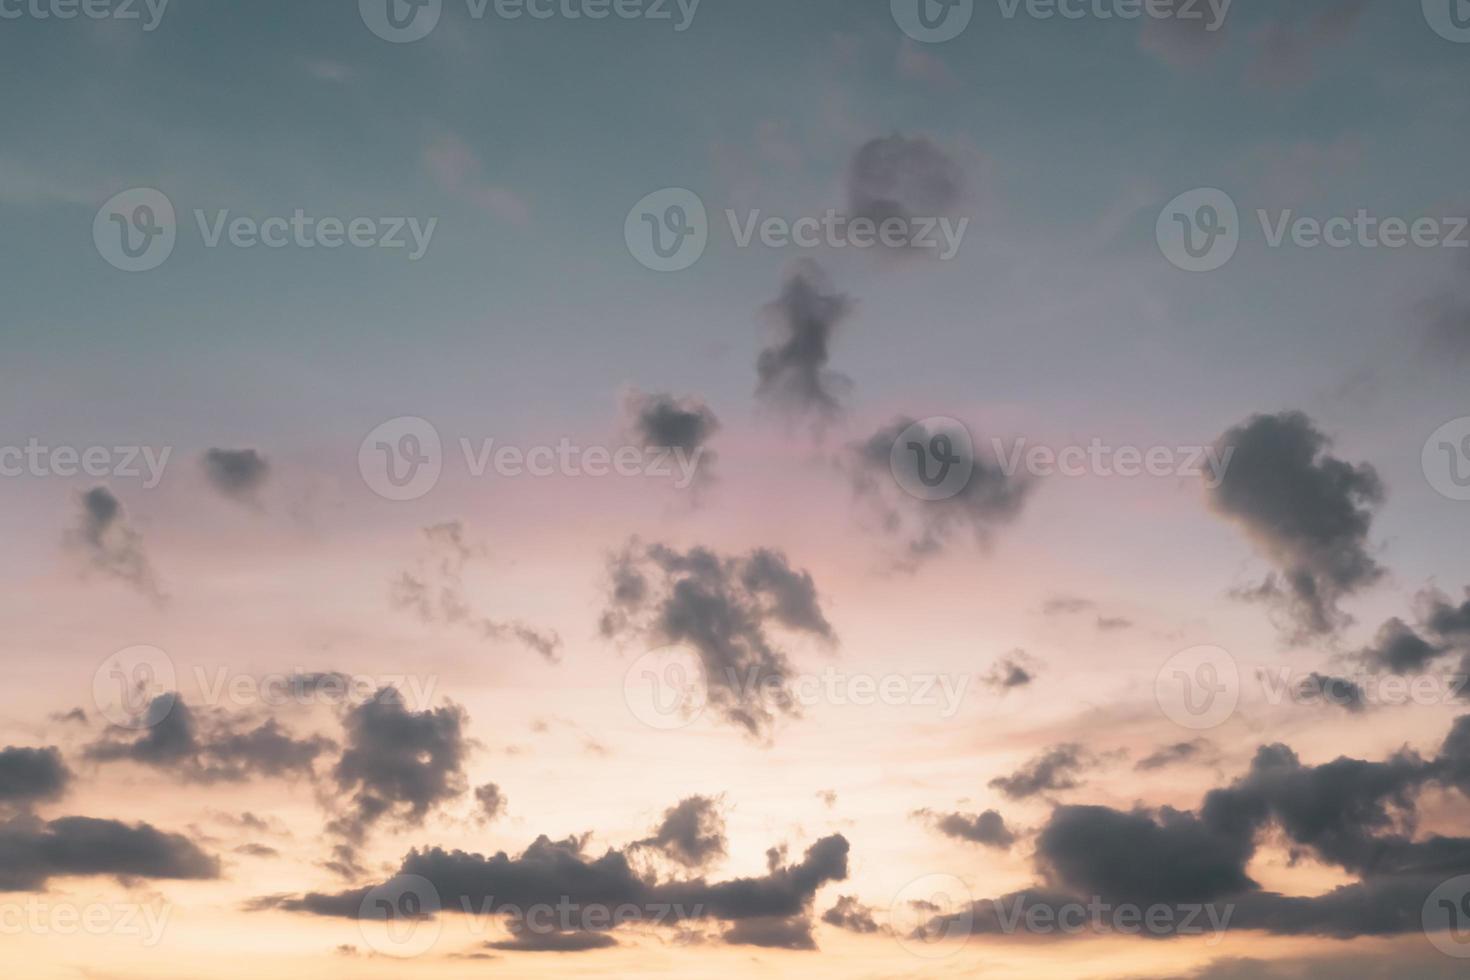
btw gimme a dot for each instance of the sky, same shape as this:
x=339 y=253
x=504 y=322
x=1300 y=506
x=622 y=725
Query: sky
x=642 y=488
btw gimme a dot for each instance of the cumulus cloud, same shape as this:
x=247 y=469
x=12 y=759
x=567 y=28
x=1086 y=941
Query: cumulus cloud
x=1015 y=670
x=692 y=833
x=988 y=501
x=1352 y=814
x=722 y=609
x=1398 y=649
x=684 y=425
x=236 y=473
x=33 y=851
x=1058 y=768
x=210 y=748
x=988 y=828
x=1306 y=511
x=490 y=802
x=600 y=893
x=398 y=764
x=108 y=545
x=852 y=915
x=902 y=177
x=435 y=591
x=29 y=776
x=792 y=370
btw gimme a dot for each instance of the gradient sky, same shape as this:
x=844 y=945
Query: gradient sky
x=264 y=549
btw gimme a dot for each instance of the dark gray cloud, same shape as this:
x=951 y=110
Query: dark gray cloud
x=1055 y=769
x=902 y=177
x=208 y=748
x=852 y=915
x=1175 y=754
x=772 y=933
x=601 y=891
x=683 y=424
x=1356 y=815
x=792 y=370
x=526 y=940
x=490 y=801
x=398 y=764
x=1340 y=692
x=33 y=851
x=692 y=833
x=236 y=473
x=1016 y=669
x=435 y=592
x=990 y=500
x=29 y=776
x=1446 y=620
x=722 y=609
x=1306 y=511
x=1398 y=649
x=988 y=828
x=109 y=546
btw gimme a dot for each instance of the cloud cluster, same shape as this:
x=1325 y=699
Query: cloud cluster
x=238 y=474
x=723 y=609
x=1307 y=511
x=793 y=375
x=108 y=545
